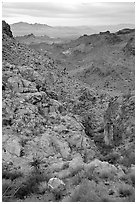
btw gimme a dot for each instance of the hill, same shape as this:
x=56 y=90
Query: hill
x=32 y=39
x=60 y=135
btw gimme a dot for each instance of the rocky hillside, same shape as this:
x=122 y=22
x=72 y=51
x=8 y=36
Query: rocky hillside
x=60 y=135
x=33 y=39
x=104 y=61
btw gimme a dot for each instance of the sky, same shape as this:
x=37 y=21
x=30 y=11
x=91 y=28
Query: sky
x=69 y=12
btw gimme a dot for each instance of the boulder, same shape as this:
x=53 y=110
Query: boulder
x=13 y=147
x=56 y=184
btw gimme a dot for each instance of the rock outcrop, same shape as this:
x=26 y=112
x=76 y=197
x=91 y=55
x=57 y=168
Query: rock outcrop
x=6 y=29
x=130 y=47
x=116 y=119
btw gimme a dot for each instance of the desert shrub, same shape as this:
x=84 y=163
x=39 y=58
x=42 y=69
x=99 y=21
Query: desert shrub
x=7 y=192
x=89 y=174
x=112 y=158
x=88 y=191
x=24 y=187
x=6 y=122
x=57 y=195
x=126 y=179
x=105 y=200
x=6 y=183
x=12 y=175
x=31 y=184
x=129 y=178
x=128 y=159
x=36 y=162
x=131 y=198
x=131 y=175
x=125 y=190
x=82 y=194
x=9 y=189
x=76 y=180
x=23 y=141
x=105 y=174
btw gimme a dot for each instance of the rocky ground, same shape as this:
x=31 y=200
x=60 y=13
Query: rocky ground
x=63 y=140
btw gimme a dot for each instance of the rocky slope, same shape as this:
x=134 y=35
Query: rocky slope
x=60 y=135
x=32 y=39
x=105 y=60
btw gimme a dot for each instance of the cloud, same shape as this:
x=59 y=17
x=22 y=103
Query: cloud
x=115 y=12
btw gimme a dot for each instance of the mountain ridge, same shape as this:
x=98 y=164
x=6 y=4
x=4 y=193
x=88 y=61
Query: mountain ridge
x=61 y=31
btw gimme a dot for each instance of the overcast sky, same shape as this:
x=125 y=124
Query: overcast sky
x=69 y=13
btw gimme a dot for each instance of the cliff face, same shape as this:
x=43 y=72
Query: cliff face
x=53 y=126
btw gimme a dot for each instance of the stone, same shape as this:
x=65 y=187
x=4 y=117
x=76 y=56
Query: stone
x=13 y=147
x=56 y=184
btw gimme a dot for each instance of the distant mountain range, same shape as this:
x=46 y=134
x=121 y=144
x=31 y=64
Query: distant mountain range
x=23 y=28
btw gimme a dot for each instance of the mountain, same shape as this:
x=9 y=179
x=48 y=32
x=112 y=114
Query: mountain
x=62 y=139
x=21 y=28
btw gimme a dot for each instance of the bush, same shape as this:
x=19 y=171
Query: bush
x=76 y=180
x=132 y=177
x=9 y=189
x=89 y=174
x=31 y=185
x=128 y=159
x=84 y=195
x=126 y=179
x=126 y=190
x=37 y=160
x=6 y=183
x=112 y=158
x=22 y=188
x=129 y=178
x=107 y=173
x=6 y=174
x=88 y=191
